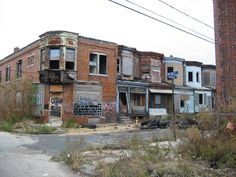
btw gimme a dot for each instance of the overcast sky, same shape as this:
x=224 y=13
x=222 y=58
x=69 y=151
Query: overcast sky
x=22 y=21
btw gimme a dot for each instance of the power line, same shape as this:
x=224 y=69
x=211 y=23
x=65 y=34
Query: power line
x=153 y=18
x=185 y=14
x=168 y=19
x=200 y=5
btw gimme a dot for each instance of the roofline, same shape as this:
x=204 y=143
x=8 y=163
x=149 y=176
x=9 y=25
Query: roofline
x=193 y=63
x=57 y=32
x=206 y=66
x=15 y=53
x=174 y=59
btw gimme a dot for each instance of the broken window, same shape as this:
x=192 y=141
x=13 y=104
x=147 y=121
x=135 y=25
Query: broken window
x=30 y=61
x=200 y=101
x=98 y=63
x=70 y=59
x=190 y=76
x=42 y=59
x=118 y=66
x=146 y=74
x=54 y=57
x=169 y=70
x=138 y=99
x=19 y=69
x=8 y=72
x=182 y=103
x=197 y=77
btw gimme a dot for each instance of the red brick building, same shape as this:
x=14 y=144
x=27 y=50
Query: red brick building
x=75 y=75
x=225 y=35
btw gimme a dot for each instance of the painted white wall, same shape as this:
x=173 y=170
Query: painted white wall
x=188 y=106
x=194 y=70
x=206 y=104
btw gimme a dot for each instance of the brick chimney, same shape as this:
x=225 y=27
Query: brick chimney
x=16 y=49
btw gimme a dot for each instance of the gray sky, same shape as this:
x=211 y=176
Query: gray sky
x=22 y=21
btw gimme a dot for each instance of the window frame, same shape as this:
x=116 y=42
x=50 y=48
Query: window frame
x=96 y=64
x=182 y=103
x=68 y=60
x=168 y=71
x=30 y=60
x=118 y=65
x=198 y=77
x=53 y=59
x=42 y=58
x=19 y=67
x=8 y=73
x=190 y=72
x=157 y=99
x=200 y=99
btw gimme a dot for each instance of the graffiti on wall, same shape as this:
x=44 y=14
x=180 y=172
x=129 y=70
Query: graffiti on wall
x=109 y=109
x=55 y=108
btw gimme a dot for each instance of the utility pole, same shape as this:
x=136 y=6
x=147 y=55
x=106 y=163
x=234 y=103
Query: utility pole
x=173 y=108
x=172 y=76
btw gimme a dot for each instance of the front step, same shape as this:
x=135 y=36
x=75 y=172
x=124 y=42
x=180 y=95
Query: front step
x=125 y=119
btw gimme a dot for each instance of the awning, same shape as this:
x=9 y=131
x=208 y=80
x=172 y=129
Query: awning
x=160 y=91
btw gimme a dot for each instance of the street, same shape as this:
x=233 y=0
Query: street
x=29 y=155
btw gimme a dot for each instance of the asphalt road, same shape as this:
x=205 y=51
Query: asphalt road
x=29 y=155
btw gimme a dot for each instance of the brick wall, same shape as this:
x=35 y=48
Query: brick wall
x=86 y=46
x=29 y=70
x=225 y=34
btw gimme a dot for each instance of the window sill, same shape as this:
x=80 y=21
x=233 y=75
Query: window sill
x=100 y=75
x=30 y=65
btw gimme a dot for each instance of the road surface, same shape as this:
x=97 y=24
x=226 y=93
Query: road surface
x=29 y=155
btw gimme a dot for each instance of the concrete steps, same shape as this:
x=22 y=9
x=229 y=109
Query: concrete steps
x=125 y=119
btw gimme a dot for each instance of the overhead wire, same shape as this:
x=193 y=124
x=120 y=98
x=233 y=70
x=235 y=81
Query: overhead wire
x=200 y=5
x=185 y=14
x=131 y=2
x=158 y=20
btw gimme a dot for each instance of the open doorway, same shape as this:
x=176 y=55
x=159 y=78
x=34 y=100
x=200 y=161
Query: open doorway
x=123 y=103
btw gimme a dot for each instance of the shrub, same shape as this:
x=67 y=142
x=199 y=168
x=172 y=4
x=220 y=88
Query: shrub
x=17 y=100
x=70 y=123
x=41 y=129
x=6 y=126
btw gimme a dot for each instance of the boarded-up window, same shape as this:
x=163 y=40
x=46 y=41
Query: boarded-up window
x=138 y=99
x=206 y=79
x=127 y=66
x=205 y=99
x=30 y=60
x=196 y=99
x=157 y=99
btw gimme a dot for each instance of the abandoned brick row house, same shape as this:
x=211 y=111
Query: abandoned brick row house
x=99 y=81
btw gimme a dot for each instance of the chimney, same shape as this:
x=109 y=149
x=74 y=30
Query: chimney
x=16 y=49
